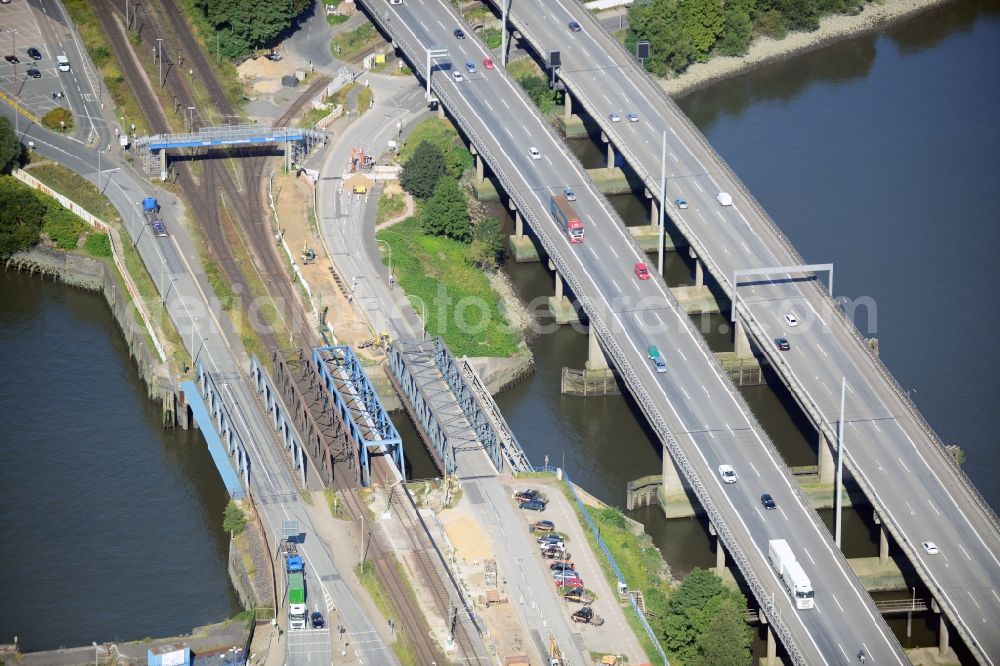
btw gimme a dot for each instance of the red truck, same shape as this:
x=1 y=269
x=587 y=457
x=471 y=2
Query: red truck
x=567 y=218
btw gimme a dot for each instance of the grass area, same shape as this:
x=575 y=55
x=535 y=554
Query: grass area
x=313 y=116
x=479 y=13
x=442 y=134
x=336 y=19
x=340 y=96
x=455 y=296
x=75 y=187
x=365 y=98
x=97 y=46
x=524 y=67
x=641 y=564
x=492 y=38
x=365 y=571
x=389 y=207
x=350 y=45
x=58 y=119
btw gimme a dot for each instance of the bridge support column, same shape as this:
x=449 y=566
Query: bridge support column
x=596 y=360
x=560 y=306
x=440 y=110
x=699 y=271
x=568 y=105
x=720 y=551
x=479 y=168
x=825 y=454
x=654 y=213
x=742 y=342
x=163 y=164
x=772 y=648
x=288 y=156
x=943 y=637
x=883 y=540
x=559 y=286
x=518 y=225
x=611 y=156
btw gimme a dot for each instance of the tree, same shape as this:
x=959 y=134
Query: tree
x=799 y=14
x=21 y=215
x=422 y=172
x=234 y=520
x=539 y=92
x=691 y=609
x=244 y=25
x=703 y=23
x=10 y=147
x=447 y=212
x=726 y=641
x=736 y=33
x=487 y=250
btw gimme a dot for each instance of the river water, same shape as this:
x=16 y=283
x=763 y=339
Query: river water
x=110 y=526
x=877 y=154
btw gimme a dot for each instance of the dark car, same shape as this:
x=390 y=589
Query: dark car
x=34 y=73
x=768 y=502
x=459 y=33
x=574 y=26
x=782 y=344
x=532 y=505
x=35 y=53
x=12 y=59
x=543 y=526
x=525 y=495
x=579 y=595
x=561 y=566
x=550 y=539
x=317 y=620
x=556 y=553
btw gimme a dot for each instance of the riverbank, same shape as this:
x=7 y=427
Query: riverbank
x=764 y=50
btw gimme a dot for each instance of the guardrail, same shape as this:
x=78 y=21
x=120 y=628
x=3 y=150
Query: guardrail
x=613 y=349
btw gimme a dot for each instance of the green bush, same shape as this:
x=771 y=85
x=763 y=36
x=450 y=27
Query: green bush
x=63 y=227
x=423 y=171
x=234 y=520
x=492 y=38
x=443 y=135
x=97 y=245
x=21 y=216
x=446 y=213
x=56 y=116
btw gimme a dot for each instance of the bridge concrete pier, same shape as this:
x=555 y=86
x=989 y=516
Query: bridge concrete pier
x=827 y=468
x=561 y=307
x=596 y=360
x=567 y=104
x=741 y=341
x=699 y=270
x=440 y=110
x=720 y=551
x=611 y=151
x=772 y=647
x=654 y=210
x=163 y=164
x=944 y=637
x=478 y=161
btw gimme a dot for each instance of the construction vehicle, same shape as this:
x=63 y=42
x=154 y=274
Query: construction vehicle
x=587 y=616
x=360 y=161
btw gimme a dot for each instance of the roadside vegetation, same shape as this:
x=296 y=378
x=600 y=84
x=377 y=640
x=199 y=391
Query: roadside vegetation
x=699 y=621
x=58 y=119
x=440 y=254
x=534 y=82
x=682 y=32
x=349 y=45
x=243 y=26
x=389 y=207
x=403 y=648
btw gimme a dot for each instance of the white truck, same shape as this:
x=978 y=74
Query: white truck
x=791 y=573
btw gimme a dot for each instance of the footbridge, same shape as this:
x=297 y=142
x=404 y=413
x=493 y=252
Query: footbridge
x=296 y=142
x=694 y=408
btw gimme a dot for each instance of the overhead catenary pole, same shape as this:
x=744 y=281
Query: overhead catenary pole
x=663 y=199
x=159 y=57
x=840 y=460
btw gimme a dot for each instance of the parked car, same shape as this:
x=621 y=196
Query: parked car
x=459 y=33
x=12 y=59
x=34 y=53
x=641 y=271
x=681 y=203
x=570 y=582
x=782 y=344
x=565 y=573
x=562 y=564
x=556 y=553
x=578 y=594
x=727 y=473
x=488 y=63
x=34 y=73
x=532 y=505
x=550 y=539
x=274 y=56
x=525 y=495
x=768 y=502
x=317 y=620
x=543 y=526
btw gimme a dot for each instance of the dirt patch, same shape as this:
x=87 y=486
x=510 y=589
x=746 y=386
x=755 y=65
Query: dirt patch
x=465 y=536
x=264 y=75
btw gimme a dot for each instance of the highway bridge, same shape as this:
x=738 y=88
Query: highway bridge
x=694 y=408
x=918 y=491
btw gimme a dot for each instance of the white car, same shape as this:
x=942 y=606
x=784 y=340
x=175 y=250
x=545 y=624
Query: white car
x=727 y=473
x=457 y=75
x=724 y=198
x=930 y=547
x=533 y=152
x=791 y=319
x=615 y=117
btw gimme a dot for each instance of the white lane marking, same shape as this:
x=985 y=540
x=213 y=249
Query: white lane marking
x=681 y=354
x=673 y=156
x=685 y=393
x=965 y=552
x=806 y=551
x=783 y=513
x=424 y=26
x=933 y=507
x=995 y=595
x=752 y=467
x=657 y=315
x=612 y=248
x=821 y=350
x=488 y=106
x=838 y=603
x=619 y=290
x=504 y=101
x=912 y=512
x=698 y=185
x=706 y=391
x=973 y=600
x=903 y=465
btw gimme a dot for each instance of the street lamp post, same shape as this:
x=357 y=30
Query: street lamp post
x=99 y=153
x=159 y=57
x=503 y=32
x=663 y=198
x=840 y=459
x=382 y=242
x=13 y=50
x=96 y=662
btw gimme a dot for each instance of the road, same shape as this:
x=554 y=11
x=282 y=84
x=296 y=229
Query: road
x=889 y=448
x=694 y=407
x=209 y=335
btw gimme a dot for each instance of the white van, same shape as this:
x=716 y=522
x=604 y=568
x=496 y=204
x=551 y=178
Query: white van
x=63 y=63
